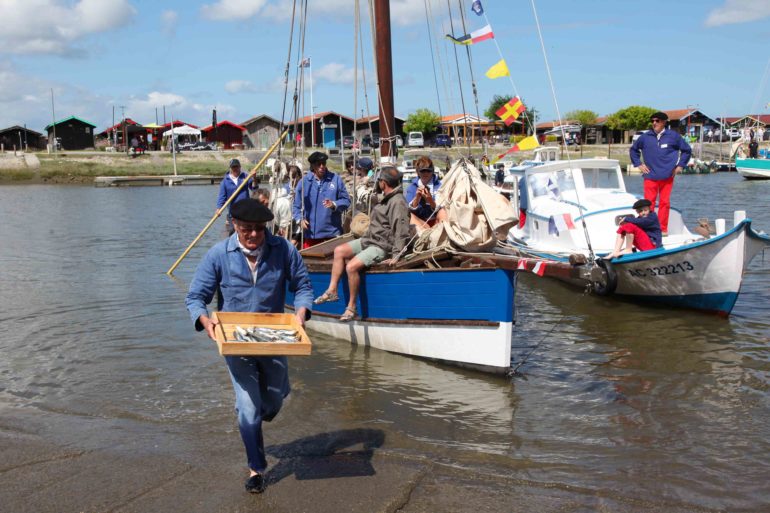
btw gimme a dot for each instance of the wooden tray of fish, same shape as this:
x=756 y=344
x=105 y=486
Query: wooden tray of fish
x=260 y=334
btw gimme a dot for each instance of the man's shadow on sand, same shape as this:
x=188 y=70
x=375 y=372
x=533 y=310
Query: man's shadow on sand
x=345 y=453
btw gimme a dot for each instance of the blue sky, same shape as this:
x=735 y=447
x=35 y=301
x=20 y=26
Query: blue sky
x=194 y=55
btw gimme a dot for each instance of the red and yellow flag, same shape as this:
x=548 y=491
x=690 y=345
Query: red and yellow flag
x=511 y=110
x=528 y=143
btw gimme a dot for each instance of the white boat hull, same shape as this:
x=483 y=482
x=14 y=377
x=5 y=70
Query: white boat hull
x=704 y=275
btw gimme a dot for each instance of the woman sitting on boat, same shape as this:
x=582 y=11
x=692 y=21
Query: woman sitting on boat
x=421 y=196
x=639 y=233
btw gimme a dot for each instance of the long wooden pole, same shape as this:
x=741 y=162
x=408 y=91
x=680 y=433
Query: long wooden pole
x=385 y=78
x=227 y=203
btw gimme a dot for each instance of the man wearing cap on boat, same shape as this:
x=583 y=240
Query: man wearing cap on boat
x=639 y=233
x=319 y=201
x=665 y=153
x=229 y=184
x=253 y=269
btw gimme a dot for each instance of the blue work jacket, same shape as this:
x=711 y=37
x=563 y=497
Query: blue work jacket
x=227 y=188
x=225 y=266
x=660 y=156
x=423 y=210
x=324 y=222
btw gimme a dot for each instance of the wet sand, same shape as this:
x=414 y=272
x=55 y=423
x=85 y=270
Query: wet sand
x=109 y=468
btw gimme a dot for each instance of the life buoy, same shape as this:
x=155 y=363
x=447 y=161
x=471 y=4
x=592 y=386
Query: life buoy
x=611 y=281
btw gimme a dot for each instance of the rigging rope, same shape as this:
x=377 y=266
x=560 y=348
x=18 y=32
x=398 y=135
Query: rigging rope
x=459 y=78
x=432 y=59
x=473 y=82
x=592 y=257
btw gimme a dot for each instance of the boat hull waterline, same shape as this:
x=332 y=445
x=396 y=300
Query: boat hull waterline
x=459 y=316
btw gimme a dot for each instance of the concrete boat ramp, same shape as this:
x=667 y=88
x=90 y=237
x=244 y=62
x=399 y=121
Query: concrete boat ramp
x=150 y=180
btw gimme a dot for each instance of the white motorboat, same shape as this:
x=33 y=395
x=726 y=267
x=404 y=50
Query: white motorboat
x=753 y=169
x=575 y=208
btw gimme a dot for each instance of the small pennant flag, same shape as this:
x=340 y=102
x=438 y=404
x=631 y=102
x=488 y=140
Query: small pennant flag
x=474 y=37
x=305 y=63
x=528 y=143
x=522 y=265
x=511 y=110
x=476 y=7
x=553 y=189
x=539 y=268
x=499 y=70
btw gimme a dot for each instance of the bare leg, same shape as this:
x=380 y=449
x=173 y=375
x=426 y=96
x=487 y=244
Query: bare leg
x=342 y=254
x=619 y=249
x=418 y=223
x=441 y=215
x=354 y=268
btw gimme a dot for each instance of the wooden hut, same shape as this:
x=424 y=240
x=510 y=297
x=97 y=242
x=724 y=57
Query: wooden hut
x=261 y=131
x=21 y=138
x=73 y=132
x=226 y=133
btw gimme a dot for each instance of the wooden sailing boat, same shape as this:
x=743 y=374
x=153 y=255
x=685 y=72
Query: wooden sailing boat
x=436 y=306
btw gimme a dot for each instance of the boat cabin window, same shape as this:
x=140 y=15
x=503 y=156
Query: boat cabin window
x=601 y=178
x=553 y=184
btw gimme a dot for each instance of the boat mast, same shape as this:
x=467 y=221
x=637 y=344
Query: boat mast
x=385 y=80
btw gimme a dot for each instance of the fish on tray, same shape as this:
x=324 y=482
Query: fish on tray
x=256 y=334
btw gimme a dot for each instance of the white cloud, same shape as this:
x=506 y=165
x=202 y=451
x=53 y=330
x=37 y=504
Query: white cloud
x=168 y=21
x=232 y=9
x=142 y=108
x=240 y=86
x=738 y=11
x=55 y=26
x=335 y=73
x=402 y=12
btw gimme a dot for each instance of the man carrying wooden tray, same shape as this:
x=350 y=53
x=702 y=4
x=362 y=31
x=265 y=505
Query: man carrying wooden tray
x=252 y=268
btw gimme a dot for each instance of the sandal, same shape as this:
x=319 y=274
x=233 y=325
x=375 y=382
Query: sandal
x=326 y=297
x=349 y=315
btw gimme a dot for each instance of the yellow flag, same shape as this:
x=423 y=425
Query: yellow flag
x=498 y=70
x=529 y=143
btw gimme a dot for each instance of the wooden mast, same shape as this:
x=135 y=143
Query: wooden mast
x=385 y=79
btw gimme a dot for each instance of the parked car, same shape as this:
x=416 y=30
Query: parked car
x=348 y=142
x=636 y=136
x=415 y=140
x=203 y=146
x=442 y=141
x=375 y=141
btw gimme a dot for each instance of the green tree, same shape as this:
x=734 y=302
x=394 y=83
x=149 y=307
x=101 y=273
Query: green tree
x=585 y=118
x=527 y=117
x=631 y=118
x=422 y=120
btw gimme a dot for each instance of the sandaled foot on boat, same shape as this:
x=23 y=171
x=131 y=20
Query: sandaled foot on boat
x=326 y=297
x=349 y=315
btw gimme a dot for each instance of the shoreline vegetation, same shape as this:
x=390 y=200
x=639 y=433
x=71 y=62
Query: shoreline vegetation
x=81 y=167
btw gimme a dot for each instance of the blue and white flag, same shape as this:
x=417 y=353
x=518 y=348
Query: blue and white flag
x=476 y=7
x=553 y=189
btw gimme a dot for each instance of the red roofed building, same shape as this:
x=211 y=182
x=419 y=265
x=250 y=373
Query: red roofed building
x=228 y=134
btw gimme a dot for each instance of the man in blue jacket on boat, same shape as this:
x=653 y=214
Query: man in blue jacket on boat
x=665 y=154
x=319 y=201
x=227 y=187
x=253 y=269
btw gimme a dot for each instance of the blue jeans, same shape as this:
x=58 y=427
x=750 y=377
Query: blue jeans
x=260 y=384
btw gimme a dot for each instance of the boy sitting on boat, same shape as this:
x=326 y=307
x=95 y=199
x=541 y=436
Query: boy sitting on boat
x=639 y=233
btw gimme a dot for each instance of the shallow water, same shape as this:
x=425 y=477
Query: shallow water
x=665 y=405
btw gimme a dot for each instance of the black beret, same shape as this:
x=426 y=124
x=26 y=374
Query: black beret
x=660 y=115
x=251 y=210
x=317 y=157
x=642 y=203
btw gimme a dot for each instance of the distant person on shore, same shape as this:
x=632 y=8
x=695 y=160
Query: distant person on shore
x=665 y=154
x=253 y=269
x=227 y=187
x=387 y=235
x=641 y=233
x=319 y=201
x=281 y=209
x=421 y=196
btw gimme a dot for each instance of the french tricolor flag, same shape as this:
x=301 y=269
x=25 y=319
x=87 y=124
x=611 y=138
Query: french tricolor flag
x=560 y=223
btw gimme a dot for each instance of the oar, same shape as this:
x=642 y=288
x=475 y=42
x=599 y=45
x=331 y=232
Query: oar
x=229 y=200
